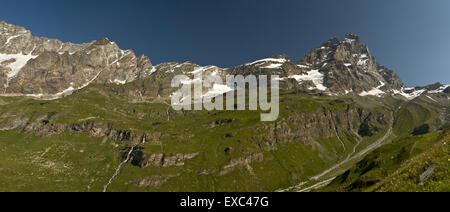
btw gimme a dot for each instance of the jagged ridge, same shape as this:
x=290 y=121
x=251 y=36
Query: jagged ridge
x=49 y=69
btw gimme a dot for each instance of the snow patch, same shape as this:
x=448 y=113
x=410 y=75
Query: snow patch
x=362 y=62
x=68 y=91
x=349 y=41
x=439 y=90
x=20 y=61
x=202 y=69
x=411 y=93
x=375 y=91
x=272 y=60
x=198 y=70
x=14 y=37
x=432 y=99
x=120 y=82
x=217 y=90
x=153 y=70
x=303 y=66
x=11 y=38
x=315 y=76
x=273 y=66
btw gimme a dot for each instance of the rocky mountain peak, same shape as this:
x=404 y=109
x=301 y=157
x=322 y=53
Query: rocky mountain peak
x=348 y=66
x=101 y=42
x=434 y=86
x=281 y=56
x=48 y=68
x=351 y=37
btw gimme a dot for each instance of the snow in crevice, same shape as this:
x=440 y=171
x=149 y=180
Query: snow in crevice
x=153 y=70
x=362 y=62
x=119 y=82
x=273 y=66
x=375 y=91
x=439 y=90
x=271 y=60
x=304 y=66
x=65 y=92
x=429 y=97
x=410 y=93
x=8 y=40
x=20 y=60
x=198 y=70
x=202 y=69
x=315 y=76
x=217 y=90
x=11 y=38
x=349 y=41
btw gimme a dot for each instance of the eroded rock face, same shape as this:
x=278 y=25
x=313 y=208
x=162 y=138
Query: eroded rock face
x=308 y=127
x=154 y=180
x=143 y=160
x=48 y=68
x=242 y=162
x=16 y=123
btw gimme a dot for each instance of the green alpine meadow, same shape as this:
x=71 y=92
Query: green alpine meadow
x=93 y=117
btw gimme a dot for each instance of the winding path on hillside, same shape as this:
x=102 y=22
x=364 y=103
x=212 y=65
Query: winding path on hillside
x=351 y=157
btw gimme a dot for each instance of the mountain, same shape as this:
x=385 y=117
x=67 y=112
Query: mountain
x=49 y=68
x=93 y=117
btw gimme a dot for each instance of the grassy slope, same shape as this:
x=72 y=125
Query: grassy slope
x=67 y=162
x=379 y=165
x=406 y=177
x=75 y=162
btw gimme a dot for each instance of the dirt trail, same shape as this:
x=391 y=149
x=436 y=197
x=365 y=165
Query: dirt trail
x=352 y=156
x=318 y=185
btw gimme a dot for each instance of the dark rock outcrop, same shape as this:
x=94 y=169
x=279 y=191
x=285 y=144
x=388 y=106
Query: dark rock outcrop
x=447 y=90
x=421 y=130
x=143 y=160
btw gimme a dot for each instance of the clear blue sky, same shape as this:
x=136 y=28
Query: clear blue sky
x=410 y=36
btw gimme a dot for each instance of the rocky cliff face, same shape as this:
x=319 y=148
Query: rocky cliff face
x=348 y=66
x=49 y=68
